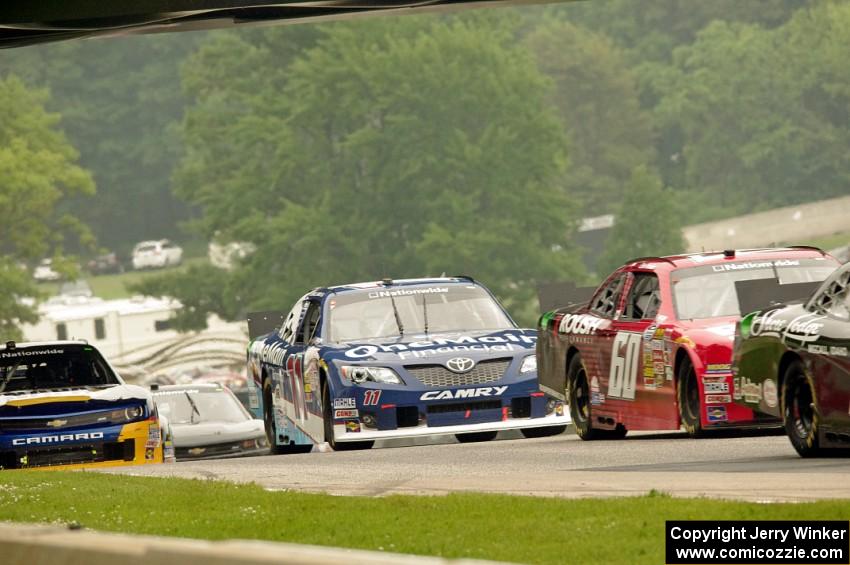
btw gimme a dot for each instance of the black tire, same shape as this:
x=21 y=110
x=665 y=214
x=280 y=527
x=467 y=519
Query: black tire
x=799 y=411
x=543 y=432
x=268 y=420
x=580 y=408
x=578 y=391
x=327 y=418
x=476 y=437
x=689 y=399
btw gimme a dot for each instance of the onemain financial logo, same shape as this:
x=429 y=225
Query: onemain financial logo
x=440 y=345
x=46 y=440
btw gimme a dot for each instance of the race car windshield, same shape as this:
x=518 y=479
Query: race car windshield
x=370 y=314
x=193 y=406
x=55 y=367
x=708 y=291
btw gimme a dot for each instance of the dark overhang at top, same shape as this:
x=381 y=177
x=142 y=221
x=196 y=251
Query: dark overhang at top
x=27 y=22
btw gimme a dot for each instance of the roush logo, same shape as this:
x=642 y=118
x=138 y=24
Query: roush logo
x=464 y=393
x=579 y=324
x=41 y=440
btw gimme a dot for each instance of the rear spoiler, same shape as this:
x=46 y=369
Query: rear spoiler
x=562 y=294
x=262 y=323
x=761 y=294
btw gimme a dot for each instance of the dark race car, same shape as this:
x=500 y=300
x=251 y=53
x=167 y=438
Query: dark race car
x=652 y=350
x=397 y=359
x=793 y=362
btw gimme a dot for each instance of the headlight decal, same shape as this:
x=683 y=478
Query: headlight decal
x=360 y=374
x=529 y=364
x=127 y=414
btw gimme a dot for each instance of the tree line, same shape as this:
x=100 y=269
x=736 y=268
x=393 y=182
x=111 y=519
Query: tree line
x=468 y=143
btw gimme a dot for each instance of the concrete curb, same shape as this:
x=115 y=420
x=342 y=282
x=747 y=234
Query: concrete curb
x=30 y=544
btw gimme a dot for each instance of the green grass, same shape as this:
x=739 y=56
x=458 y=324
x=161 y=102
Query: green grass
x=114 y=286
x=507 y=528
x=831 y=241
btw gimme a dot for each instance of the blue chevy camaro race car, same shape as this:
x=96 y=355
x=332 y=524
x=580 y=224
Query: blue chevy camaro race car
x=397 y=359
x=62 y=405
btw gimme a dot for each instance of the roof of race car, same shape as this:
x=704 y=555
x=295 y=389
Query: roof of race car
x=210 y=387
x=394 y=283
x=50 y=343
x=715 y=257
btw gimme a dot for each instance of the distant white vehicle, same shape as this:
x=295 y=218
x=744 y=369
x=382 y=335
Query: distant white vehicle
x=77 y=289
x=156 y=254
x=225 y=256
x=44 y=271
x=207 y=421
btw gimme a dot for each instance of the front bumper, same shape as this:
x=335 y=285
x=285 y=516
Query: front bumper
x=342 y=434
x=149 y=262
x=137 y=443
x=218 y=451
x=370 y=411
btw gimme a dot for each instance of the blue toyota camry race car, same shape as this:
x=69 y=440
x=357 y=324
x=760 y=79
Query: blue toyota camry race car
x=356 y=363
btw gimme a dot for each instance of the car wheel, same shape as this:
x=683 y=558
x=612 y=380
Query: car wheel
x=580 y=407
x=543 y=432
x=689 y=399
x=327 y=413
x=799 y=411
x=476 y=437
x=268 y=419
x=579 y=399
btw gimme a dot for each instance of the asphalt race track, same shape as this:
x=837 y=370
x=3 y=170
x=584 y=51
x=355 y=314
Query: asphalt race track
x=756 y=468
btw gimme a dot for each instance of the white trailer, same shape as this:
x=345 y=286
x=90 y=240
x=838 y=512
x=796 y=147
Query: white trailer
x=138 y=332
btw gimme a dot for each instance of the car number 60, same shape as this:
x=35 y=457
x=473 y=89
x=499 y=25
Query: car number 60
x=624 y=368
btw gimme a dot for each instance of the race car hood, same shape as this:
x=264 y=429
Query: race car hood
x=437 y=347
x=211 y=433
x=90 y=395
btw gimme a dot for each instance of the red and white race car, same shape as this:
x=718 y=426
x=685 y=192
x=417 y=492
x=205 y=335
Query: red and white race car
x=652 y=349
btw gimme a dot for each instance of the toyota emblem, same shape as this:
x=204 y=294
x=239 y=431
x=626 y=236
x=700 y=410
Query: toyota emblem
x=460 y=364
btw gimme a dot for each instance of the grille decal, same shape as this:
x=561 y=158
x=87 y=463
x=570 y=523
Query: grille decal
x=487 y=371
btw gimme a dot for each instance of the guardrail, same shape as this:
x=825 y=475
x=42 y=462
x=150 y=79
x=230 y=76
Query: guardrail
x=26 y=544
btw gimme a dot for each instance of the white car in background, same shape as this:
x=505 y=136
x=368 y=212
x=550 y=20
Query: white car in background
x=44 y=271
x=227 y=255
x=156 y=254
x=208 y=422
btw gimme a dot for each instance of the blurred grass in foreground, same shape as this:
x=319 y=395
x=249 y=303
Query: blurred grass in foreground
x=506 y=528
